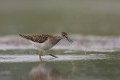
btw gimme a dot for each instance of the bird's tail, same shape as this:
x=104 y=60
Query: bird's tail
x=22 y=35
x=26 y=37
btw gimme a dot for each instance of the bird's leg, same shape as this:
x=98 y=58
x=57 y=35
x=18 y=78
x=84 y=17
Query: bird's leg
x=40 y=54
x=53 y=55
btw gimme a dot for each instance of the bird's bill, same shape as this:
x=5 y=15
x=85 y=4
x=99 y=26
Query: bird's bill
x=68 y=39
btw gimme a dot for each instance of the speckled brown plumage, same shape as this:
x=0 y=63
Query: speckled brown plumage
x=37 y=38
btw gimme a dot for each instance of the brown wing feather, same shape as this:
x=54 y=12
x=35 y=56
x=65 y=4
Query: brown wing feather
x=36 y=38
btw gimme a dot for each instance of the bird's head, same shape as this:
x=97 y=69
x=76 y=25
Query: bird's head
x=65 y=35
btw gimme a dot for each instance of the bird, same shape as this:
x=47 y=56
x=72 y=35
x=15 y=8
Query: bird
x=45 y=42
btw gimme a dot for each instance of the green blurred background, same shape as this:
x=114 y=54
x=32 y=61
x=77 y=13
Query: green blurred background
x=87 y=17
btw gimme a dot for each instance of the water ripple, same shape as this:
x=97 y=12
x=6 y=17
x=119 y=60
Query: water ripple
x=35 y=58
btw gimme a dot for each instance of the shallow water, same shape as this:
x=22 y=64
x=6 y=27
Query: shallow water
x=34 y=58
x=87 y=58
x=80 y=42
x=90 y=66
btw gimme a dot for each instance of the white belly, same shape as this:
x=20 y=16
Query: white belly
x=42 y=46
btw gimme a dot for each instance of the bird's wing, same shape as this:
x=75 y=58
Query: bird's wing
x=36 y=38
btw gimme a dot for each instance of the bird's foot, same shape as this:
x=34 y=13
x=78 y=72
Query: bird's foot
x=53 y=55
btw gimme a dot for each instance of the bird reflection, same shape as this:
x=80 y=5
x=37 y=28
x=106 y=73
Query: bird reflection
x=43 y=72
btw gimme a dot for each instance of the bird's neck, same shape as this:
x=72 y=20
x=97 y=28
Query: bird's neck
x=56 y=39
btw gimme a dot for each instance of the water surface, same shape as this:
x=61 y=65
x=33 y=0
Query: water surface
x=83 y=67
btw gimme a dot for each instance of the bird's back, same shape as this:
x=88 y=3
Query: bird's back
x=36 y=38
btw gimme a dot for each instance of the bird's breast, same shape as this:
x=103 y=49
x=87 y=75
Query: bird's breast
x=42 y=46
x=47 y=44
